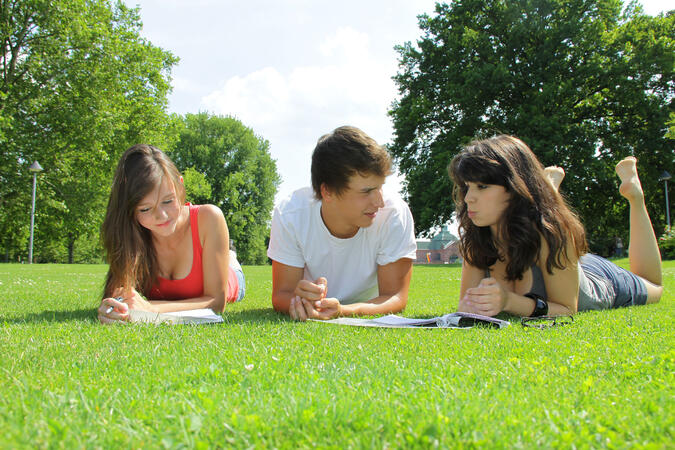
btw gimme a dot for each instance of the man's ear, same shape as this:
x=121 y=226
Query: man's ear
x=326 y=193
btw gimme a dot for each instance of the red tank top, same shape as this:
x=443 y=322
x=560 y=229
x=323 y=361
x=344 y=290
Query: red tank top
x=192 y=285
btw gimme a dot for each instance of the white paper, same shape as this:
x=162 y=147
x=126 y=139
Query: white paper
x=393 y=321
x=193 y=316
x=204 y=312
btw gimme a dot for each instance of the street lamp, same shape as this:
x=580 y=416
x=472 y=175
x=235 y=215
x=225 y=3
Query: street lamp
x=665 y=176
x=35 y=168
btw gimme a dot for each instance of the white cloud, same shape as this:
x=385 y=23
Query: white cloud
x=293 y=109
x=346 y=42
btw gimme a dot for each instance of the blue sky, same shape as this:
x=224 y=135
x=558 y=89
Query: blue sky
x=291 y=70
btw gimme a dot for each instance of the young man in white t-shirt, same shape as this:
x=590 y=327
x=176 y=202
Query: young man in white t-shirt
x=342 y=247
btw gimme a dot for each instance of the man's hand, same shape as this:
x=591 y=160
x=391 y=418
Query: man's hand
x=302 y=309
x=310 y=301
x=312 y=290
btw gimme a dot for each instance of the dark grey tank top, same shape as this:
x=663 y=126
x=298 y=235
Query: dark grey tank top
x=538 y=287
x=595 y=293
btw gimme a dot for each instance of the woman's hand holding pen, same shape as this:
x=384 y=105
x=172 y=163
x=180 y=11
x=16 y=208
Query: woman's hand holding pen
x=116 y=309
x=134 y=300
x=113 y=310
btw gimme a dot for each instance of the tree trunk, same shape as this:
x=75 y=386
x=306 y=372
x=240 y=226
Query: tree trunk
x=71 y=246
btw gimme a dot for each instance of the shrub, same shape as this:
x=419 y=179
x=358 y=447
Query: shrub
x=667 y=244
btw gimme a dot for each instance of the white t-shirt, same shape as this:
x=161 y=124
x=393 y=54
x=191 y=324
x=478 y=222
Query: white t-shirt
x=299 y=238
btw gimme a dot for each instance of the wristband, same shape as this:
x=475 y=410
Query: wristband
x=540 y=305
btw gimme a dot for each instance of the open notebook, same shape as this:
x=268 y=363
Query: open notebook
x=453 y=320
x=193 y=316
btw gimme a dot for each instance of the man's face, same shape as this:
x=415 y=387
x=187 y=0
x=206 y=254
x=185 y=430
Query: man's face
x=356 y=207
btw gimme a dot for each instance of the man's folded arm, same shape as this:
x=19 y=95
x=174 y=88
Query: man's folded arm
x=284 y=281
x=393 y=281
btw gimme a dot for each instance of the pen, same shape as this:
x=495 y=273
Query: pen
x=110 y=308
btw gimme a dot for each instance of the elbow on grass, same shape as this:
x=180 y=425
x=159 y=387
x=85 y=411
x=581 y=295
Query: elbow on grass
x=279 y=305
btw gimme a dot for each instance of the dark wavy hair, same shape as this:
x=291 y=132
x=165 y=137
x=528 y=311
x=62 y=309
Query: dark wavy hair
x=128 y=245
x=535 y=209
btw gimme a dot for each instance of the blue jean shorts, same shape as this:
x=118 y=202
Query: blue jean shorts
x=621 y=286
x=236 y=268
x=242 y=283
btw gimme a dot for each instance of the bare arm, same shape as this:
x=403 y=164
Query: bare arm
x=562 y=286
x=284 y=281
x=393 y=282
x=471 y=278
x=215 y=239
x=486 y=296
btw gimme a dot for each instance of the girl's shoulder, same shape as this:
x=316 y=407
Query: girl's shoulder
x=208 y=211
x=210 y=220
x=210 y=216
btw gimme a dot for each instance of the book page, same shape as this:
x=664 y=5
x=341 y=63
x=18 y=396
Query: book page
x=193 y=316
x=203 y=312
x=458 y=320
x=394 y=320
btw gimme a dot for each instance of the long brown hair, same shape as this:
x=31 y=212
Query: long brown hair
x=130 y=253
x=535 y=209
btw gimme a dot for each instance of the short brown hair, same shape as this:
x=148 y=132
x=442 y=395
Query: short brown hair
x=344 y=152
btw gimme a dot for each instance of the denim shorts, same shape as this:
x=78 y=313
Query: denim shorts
x=242 y=283
x=241 y=280
x=607 y=285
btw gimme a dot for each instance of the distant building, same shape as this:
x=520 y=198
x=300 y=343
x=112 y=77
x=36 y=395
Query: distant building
x=442 y=248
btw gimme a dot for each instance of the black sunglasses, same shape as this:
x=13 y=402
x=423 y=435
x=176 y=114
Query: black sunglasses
x=546 y=321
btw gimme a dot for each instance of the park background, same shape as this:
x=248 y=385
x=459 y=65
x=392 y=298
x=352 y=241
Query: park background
x=583 y=82
x=238 y=95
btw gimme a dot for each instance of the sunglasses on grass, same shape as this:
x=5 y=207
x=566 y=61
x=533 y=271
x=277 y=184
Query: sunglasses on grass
x=546 y=321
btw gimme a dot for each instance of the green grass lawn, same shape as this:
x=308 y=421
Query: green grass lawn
x=259 y=380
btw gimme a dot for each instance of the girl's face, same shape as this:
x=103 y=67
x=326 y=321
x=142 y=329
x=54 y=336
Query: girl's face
x=486 y=203
x=159 y=210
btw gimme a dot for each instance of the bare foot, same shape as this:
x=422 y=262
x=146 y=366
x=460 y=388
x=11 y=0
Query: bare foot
x=555 y=175
x=630 y=183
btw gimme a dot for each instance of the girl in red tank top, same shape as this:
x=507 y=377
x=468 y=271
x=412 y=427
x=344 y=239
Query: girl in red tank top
x=164 y=255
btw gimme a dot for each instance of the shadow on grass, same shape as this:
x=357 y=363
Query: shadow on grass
x=258 y=315
x=55 y=316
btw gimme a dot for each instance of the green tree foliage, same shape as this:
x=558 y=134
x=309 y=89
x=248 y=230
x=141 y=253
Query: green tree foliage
x=78 y=85
x=582 y=82
x=241 y=173
x=197 y=187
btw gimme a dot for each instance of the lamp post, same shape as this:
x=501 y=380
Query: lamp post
x=34 y=168
x=665 y=176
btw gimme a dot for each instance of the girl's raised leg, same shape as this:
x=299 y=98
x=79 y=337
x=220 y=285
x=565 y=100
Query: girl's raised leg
x=643 y=250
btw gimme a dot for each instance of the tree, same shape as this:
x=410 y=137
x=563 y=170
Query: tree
x=242 y=175
x=581 y=82
x=79 y=85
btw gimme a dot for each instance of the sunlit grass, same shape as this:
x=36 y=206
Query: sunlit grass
x=260 y=380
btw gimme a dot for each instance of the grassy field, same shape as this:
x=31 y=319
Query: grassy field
x=606 y=381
